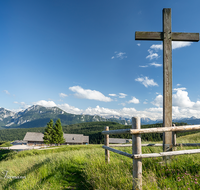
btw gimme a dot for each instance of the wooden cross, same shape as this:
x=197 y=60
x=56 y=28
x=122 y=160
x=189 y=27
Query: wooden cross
x=167 y=37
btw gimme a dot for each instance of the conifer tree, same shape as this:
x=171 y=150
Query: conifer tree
x=58 y=133
x=48 y=133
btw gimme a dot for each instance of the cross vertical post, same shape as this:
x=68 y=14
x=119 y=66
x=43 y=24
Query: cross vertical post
x=167 y=79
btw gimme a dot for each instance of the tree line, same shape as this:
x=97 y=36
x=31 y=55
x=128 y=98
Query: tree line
x=91 y=129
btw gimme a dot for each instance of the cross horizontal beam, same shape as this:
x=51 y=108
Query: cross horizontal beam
x=175 y=36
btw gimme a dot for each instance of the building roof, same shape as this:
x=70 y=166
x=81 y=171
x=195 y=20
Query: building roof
x=69 y=138
x=73 y=138
x=33 y=136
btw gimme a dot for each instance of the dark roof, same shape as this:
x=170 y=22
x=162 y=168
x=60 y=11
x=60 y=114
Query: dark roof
x=73 y=138
x=85 y=139
x=69 y=138
x=33 y=136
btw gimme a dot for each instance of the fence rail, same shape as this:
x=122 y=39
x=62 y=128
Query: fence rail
x=153 y=130
x=137 y=155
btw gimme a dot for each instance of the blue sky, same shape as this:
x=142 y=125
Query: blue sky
x=82 y=56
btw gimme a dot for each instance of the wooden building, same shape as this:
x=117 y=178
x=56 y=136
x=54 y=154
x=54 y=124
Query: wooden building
x=34 y=138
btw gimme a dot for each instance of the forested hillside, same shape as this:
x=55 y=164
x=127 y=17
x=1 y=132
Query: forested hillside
x=92 y=129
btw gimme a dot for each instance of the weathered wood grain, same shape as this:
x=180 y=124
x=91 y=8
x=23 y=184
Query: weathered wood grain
x=179 y=36
x=188 y=144
x=175 y=36
x=153 y=130
x=148 y=35
x=117 y=151
x=170 y=153
x=106 y=143
x=165 y=129
x=137 y=149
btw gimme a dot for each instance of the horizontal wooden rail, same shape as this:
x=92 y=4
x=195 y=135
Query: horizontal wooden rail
x=153 y=130
x=117 y=151
x=161 y=154
x=128 y=145
x=187 y=144
x=179 y=144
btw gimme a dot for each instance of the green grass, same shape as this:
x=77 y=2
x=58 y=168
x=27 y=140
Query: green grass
x=83 y=167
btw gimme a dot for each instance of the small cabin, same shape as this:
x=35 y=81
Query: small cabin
x=34 y=138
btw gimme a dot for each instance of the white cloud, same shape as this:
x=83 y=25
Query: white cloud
x=176 y=89
x=158 y=101
x=45 y=103
x=178 y=85
x=152 y=55
x=89 y=94
x=146 y=81
x=175 y=45
x=122 y=95
x=62 y=95
x=7 y=92
x=138 y=44
x=134 y=100
x=112 y=94
x=157 y=47
x=156 y=64
x=144 y=66
x=145 y=102
x=70 y=109
x=120 y=55
x=181 y=99
x=179 y=44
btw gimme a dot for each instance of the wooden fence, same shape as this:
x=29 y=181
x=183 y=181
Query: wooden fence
x=137 y=155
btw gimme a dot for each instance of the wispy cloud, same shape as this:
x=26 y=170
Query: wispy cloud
x=62 y=95
x=122 y=95
x=155 y=64
x=8 y=93
x=143 y=66
x=138 y=44
x=120 y=55
x=112 y=94
x=151 y=55
x=89 y=94
x=146 y=81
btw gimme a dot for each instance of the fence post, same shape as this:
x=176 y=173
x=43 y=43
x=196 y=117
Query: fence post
x=106 y=143
x=174 y=138
x=137 y=149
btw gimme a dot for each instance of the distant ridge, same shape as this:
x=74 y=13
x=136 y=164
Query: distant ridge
x=38 y=116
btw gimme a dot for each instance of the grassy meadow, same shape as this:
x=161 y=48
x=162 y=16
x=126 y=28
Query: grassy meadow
x=83 y=167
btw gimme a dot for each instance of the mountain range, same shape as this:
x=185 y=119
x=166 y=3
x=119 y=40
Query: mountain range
x=39 y=116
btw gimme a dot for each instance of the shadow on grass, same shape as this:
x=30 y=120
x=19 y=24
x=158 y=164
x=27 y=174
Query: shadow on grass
x=71 y=178
x=7 y=154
